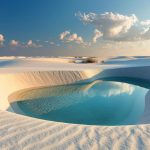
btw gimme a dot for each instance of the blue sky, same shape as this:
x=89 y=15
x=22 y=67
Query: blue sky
x=33 y=27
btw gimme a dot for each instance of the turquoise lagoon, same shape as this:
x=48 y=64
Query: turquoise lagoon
x=96 y=103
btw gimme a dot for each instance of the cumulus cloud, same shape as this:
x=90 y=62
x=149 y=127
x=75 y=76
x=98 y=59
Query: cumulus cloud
x=110 y=24
x=68 y=37
x=31 y=44
x=97 y=34
x=74 y=37
x=14 y=43
x=1 y=39
x=64 y=34
x=145 y=23
x=117 y=27
x=136 y=33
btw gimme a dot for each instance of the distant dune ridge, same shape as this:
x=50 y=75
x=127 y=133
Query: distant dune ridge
x=21 y=132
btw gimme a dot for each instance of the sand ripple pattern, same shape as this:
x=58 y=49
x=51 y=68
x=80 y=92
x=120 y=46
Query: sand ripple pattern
x=35 y=134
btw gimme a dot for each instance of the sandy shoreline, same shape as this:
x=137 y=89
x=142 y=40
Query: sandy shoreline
x=30 y=133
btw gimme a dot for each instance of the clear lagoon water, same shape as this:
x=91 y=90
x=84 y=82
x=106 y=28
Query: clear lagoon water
x=96 y=103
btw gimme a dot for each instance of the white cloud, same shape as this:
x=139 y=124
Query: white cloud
x=117 y=27
x=67 y=37
x=52 y=43
x=145 y=23
x=30 y=43
x=14 y=43
x=110 y=24
x=33 y=45
x=64 y=34
x=1 y=39
x=74 y=37
x=97 y=34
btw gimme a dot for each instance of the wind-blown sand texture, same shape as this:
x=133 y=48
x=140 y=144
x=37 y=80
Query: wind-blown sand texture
x=21 y=132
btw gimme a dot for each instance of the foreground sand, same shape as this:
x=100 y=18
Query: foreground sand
x=20 y=132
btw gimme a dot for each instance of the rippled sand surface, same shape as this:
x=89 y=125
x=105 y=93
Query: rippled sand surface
x=29 y=133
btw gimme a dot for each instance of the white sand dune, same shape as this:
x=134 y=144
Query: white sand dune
x=18 y=132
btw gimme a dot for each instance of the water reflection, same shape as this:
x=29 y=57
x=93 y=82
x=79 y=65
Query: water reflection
x=108 y=89
x=99 y=103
